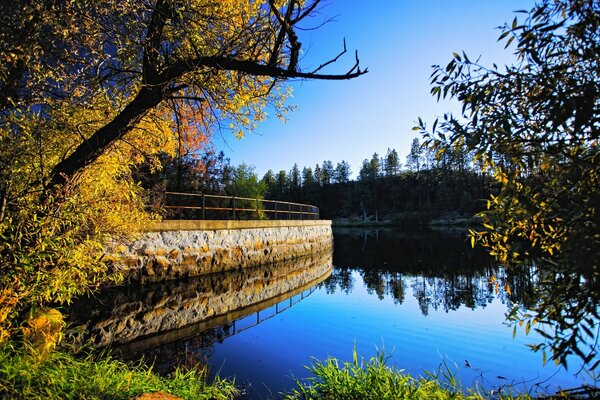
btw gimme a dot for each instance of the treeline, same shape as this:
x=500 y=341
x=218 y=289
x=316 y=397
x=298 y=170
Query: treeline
x=424 y=187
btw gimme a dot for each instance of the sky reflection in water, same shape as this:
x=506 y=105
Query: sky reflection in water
x=425 y=299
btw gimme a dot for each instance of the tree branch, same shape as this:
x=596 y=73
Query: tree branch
x=180 y=68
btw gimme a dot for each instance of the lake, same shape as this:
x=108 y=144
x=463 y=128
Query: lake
x=423 y=298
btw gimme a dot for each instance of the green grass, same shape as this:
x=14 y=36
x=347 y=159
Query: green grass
x=373 y=379
x=64 y=376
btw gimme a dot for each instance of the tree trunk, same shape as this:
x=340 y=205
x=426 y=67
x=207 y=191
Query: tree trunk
x=88 y=151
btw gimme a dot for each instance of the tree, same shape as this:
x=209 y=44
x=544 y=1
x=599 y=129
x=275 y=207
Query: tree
x=231 y=58
x=327 y=173
x=90 y=89
x=370 y=169
x=282 y=185
x=310 y=186
x=342 y=172
x=413 y=159
x=364 y=174
x=535 y=125
x=269 y=181
x=295 y=183
x=392 y=163
x=244 y=183
x=308 y=179
x=375 y=166
x=318 y=174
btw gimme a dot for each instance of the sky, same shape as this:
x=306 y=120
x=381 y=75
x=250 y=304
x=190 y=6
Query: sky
x=398 y=41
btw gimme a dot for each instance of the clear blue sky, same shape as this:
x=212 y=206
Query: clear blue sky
x=399 y=41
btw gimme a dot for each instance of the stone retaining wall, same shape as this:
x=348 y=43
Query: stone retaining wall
x=178 y=249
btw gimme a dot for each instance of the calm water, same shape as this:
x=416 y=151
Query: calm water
x=425 y=299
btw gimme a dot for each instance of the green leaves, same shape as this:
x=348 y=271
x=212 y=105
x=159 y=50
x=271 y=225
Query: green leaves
x=531 y=127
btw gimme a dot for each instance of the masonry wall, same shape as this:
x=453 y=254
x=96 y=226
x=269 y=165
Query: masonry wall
x=179 y=249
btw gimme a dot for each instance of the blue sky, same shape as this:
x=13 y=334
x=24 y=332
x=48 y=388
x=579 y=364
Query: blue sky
x=399 y=41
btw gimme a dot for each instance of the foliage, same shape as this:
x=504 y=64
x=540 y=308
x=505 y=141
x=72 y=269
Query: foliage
x=43 y=333
x=244 y=183
x=535 y=125
x=415 y=157
x=90 y=90
x=442 y=189
x=373 y=379
x=392 y=163
x=64 y=376
x=371 y=169
x=52 y=243
x=210 y=61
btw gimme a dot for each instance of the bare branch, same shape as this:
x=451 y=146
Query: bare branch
x=191 y=98
x=306 y=12
x=320 y=67
x=180 y=68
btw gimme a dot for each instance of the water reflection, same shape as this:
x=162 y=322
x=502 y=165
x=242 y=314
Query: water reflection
x=427 y=295
x=193 y=314
x=441 y=268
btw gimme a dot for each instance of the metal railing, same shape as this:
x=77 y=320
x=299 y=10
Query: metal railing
x=246 y=322
x=209 y=206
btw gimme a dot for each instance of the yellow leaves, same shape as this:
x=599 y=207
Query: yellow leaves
x=8 y=300
x=43 y=332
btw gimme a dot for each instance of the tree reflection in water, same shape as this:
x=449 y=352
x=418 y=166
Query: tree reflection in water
x=441 y=268
x=444 y=272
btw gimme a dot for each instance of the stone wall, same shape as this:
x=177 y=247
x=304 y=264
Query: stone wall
x=158 y=313
x=179 y=249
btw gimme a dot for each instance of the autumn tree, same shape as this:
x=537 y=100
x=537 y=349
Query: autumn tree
x=88 y=89
x=535 y=126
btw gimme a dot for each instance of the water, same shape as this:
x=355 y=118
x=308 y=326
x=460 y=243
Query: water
x=424 y=299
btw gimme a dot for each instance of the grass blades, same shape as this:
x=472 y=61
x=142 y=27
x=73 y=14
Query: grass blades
x=64 y=376
x=373 y=380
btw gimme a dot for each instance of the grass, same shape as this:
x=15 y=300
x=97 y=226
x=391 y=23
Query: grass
x=65 y=376
x=373 y=379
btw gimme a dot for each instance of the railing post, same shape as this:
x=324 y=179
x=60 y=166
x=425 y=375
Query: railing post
x=306 y=211
x=233 y=206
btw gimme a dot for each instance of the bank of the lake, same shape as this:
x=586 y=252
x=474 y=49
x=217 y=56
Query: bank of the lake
x=65 y=376
x=410 y=220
